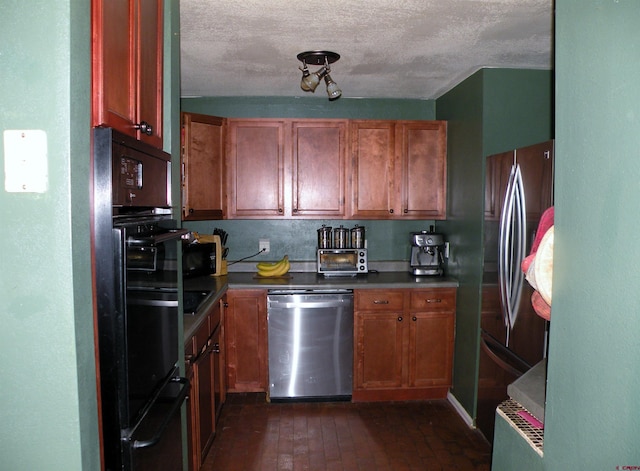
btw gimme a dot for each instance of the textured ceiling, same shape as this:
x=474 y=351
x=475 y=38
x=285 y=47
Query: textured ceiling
x=389 y=48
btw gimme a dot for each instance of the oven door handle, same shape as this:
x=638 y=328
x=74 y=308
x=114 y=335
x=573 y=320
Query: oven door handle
x=160 y=238
x=175 y=407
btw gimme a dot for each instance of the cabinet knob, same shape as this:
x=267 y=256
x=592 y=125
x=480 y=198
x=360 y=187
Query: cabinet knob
x=391 y=211
x=280 y=210
x=414 y=318
x=406 y=210
x=216 y=348
x=225 y=304
x=144 y=128
x=399 y=318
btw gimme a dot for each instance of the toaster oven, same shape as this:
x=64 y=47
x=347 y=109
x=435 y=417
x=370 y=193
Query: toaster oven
x=342 y=262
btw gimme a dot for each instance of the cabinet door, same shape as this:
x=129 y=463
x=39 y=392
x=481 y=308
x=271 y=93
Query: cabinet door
x=113 y=63
x=423 y=169
x=319 y=149
x=202 y=167
x=127 y=67
x=204 y=370
x=430 y=349
x=219 y=373
x=191 y=407
x=256 y=163
x=379 y=349
x=246 y=341
x=373 y=191
x=150 y=27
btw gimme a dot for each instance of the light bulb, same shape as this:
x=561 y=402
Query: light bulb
x=311 y=81
x=332 y=88
x=305 y=77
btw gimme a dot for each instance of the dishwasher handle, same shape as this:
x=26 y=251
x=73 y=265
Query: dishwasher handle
x=303 y=291
x=310 y=304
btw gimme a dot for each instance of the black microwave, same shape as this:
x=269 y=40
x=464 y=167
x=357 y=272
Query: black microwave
x=200 y=259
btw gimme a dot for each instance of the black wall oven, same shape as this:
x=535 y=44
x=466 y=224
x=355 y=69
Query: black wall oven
x=136 y=263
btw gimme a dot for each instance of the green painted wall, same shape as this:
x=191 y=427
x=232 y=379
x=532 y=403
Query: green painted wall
x=462 y=108
x=48 y=400
x=592 y=420
x=491 y=111
x=48 y=392
x=386 y=240
x=310 y=107
x=518 y=108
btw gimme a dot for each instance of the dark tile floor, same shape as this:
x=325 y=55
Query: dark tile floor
x=332 y=436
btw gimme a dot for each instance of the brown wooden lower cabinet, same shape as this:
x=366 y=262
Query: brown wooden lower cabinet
x=403 y=343
x=246 y=340
x=205 y=362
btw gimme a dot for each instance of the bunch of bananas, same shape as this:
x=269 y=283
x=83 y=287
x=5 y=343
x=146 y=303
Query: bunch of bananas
x=278 y=268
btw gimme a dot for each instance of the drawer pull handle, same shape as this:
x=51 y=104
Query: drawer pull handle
x=380 y=301
x=437 y=300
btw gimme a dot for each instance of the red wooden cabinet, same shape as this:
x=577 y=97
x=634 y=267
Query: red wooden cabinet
x=286 y=168
x=202 y=170
x=398 y=169
x=204 y=356
x=403 y=343
x=246 y=341
x=127 y=86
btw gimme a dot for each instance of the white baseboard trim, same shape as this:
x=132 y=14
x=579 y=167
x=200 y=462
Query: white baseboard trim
x=460 y=410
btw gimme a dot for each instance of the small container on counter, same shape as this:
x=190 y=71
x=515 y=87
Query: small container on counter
x=324 y=237
x=357 y=237
x=341 y=238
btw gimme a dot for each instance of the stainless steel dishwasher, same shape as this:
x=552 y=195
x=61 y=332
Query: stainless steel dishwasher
x=310 y=344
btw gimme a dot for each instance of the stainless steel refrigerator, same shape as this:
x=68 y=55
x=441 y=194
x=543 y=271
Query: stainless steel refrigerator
x=518 y=189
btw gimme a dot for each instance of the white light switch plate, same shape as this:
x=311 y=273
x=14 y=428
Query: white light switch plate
x=26 y=168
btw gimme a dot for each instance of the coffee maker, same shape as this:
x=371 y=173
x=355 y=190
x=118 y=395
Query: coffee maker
x=427 y=253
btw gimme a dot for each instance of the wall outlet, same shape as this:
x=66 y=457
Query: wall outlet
x=263 y=244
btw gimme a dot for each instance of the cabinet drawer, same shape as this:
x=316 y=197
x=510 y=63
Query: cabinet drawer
x=441 y=299
x=379 y=300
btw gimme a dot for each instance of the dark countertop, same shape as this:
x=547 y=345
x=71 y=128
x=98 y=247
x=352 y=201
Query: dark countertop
x=300 y=280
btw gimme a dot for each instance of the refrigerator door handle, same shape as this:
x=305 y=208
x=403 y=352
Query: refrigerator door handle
x=504 y=248
x=520 y=245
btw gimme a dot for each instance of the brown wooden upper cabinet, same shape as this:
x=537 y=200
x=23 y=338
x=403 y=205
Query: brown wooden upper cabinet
x=399 y=169
x=127 y=50
x=256 y=163
x=285 y=168
x=203 y=170
x=318 y=173
x=313 y=168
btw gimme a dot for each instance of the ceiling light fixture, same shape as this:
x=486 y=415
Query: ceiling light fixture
x=310 y=81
